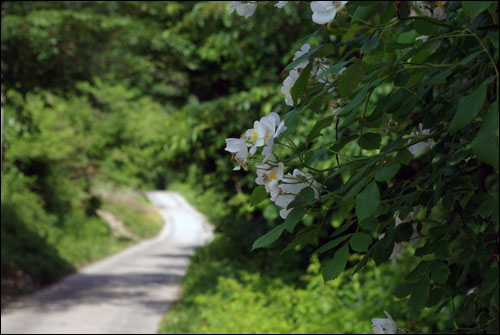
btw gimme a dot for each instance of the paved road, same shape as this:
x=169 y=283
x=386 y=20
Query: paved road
x=126 y=293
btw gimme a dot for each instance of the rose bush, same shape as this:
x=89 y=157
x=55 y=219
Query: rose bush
x=414 y=88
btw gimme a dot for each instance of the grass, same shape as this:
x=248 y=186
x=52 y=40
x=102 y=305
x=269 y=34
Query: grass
x=229 y=289
x=38 y=247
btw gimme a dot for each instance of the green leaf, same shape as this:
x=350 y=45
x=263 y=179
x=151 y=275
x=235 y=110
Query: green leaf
x=420 y=294
x=386 y=173
x=428 y=248
x=370 y=223
x=350 y=79
x=332 y=69
x=440 y=230
x=318 y=127
x=343 y=141
x=490 y=281
x=307 y=195
x=439 y=272
x=305 y=236
x=421 y=270
x=485 y=145
x=334 y=267
x=403 y=289
x=295 y=203
x=435 y=297
x=425 y=27
x=303 y=58
x=404 y=157
x=363 y=261
x=367 y=201
x=419 y=58
x=293 y=218
x=370 y=141
x=401 y=78
x=269 y=237
x=342 y=229
x=300 y=86
x=360 y=242
x=258 y=195
x=363 y=12
x=370 y=45
x=468 y=108
x=404 y=8
x=407 y=37
x=325 y=51
x=358 y=99
x=404 y=232
x=472 y=8
x=355 y=189
x=383 y=248
x=333 y=244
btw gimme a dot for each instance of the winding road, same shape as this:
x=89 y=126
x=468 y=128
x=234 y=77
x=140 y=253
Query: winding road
x=127 y=293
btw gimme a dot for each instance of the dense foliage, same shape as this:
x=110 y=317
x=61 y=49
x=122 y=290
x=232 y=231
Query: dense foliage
x=406 y=97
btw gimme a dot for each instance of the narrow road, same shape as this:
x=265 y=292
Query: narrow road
x=126 y=293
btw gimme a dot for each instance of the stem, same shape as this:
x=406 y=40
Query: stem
x=429 y=64
x=285 y=145
x=428 y=19
x=489 y=56
x=364 y=113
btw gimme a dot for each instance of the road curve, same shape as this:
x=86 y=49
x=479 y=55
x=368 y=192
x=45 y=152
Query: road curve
x=126 y=293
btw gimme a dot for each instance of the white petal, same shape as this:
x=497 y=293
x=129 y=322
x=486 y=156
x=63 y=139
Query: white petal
x=235 y=144
x=281 y=4
x=245 y=9
x=323 y=17
x=321 y=5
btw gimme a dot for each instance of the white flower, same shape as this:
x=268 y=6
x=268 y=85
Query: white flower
x=281 y=4
x=329 y=78
x=432 y=9
x=255 y=136
x=325 y=11
x=384 y=326
x=438 y=12
x=303 y=49
x=238 y=147
x=283 y=200
x=273 y=128
x=296 y=182
x=243 y=9
x=288 y=83
x=420 y=146
x=269 y=176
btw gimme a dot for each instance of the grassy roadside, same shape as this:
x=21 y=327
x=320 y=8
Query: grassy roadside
x=38 y=247
x=228 y=289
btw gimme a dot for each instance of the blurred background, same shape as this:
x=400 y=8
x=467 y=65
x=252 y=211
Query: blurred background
x=105 y=100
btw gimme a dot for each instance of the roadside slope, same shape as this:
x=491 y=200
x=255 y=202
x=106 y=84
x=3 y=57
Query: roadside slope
x=126 y=293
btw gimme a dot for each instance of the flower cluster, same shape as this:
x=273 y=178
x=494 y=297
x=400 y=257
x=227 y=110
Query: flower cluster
x=263 y=134
x=384 y=326
x=325 y=11
x=420 y=146
x=243 y=9
x=398 y=247
x=246 y=9
x=317 y=70
x=432 y=9
x=283 y=188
